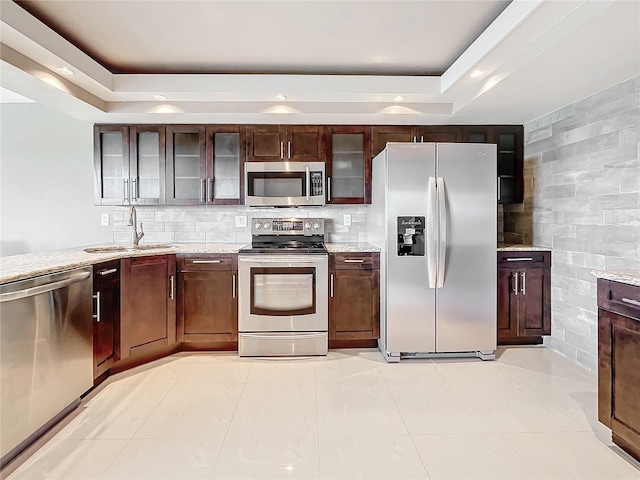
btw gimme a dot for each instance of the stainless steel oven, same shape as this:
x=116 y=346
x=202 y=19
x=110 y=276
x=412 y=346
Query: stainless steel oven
x=284 y=184
x=283 y=290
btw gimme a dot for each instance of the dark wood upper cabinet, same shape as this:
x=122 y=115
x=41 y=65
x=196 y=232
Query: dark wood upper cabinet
x=186 y=169
x=225 y=145
x=348 y=169
x=106 y=316
x=510 y=144
x=524 y=296
x=383 y=134
x=129 y=164
x=294 y=143
x=439 y=133
x=147 y=286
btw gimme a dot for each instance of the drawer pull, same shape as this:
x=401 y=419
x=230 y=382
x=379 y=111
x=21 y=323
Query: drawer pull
x=520 y=259
x=631 y=301
x=107 y=272
x=206 y=261
x=357 y=260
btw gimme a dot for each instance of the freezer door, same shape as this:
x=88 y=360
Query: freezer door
x=467 y=209
x=410 y=308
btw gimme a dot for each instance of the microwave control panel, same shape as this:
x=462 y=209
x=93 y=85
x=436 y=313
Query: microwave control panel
x=317 y=182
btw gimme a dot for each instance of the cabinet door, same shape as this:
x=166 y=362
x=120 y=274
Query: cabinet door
x=507 y=305
x=383 y=134
x=111 y=165
x=265 y=143
x=439 y=133
x=304 y=144
x=147 y=304
x=348 y=164
x=353 y=304
x=225 y=165
x=510 y=163
x=207 y=306
x=106 y=318
x=533 y=318
x=186 y=165
x=147 y=164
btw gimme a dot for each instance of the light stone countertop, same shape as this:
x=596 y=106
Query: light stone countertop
x=521 y=248
x=630 y=277
x=19 y=267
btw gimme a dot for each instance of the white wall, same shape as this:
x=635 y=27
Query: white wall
x=46 y=181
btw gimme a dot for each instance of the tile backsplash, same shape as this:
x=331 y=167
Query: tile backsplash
x=216 y=224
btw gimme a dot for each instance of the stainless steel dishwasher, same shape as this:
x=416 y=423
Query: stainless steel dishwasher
x=46 y=353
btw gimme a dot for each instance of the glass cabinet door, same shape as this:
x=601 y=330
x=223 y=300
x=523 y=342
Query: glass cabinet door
x=147 y=170
x=348 y=165
x=186 y=165
x=111 y=165
x=225 y=165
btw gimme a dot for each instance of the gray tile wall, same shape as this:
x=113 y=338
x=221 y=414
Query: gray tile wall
x=582 y=199
x=216 y=224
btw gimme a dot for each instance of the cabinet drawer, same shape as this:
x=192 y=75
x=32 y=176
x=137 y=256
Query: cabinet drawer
x=619 y=298
x=524 y=259
x=354 y=261
x=106 y=274
x=207 y=261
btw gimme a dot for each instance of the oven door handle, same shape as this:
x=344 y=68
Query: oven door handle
x=288 y=259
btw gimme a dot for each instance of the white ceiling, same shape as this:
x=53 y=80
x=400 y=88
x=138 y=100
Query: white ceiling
x=336 y=61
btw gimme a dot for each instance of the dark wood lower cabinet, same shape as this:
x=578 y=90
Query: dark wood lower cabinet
x=524 y=297
x=147 y=302
x=106 y=316
x=207 y=308
x=619 y=363
x=354 y=299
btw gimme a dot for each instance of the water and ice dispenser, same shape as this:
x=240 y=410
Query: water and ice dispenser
x=411 y=236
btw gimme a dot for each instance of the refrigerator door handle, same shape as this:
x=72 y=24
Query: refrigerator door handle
x=432 y=238
x=442 y=229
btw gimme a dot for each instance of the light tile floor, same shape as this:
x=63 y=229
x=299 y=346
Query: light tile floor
x=529 y=414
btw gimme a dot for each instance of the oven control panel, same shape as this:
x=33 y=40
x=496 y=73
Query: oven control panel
x=287 y=226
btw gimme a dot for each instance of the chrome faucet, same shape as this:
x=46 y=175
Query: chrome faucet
x=135 y=236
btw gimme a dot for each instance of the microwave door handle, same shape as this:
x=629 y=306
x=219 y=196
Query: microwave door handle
x=308 y=184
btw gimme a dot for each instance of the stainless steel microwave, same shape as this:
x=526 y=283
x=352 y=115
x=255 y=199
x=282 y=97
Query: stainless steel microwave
x=284 y=184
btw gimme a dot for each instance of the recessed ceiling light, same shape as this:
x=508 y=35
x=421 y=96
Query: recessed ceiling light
x=281 y=97
x=477 y=73
x=160 y=97
x=64 y=70
x=398 y=98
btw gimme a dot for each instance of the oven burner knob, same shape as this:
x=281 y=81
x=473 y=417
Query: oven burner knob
x=258 y=225
x=266 y=226
x=307 y=226
x=316 y=225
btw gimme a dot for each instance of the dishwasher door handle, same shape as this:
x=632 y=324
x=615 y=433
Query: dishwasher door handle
x=30 y=292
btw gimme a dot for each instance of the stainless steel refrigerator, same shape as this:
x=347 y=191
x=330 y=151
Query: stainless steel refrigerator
x=434 y=217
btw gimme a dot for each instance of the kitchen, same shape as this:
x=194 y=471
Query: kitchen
x=588 y=139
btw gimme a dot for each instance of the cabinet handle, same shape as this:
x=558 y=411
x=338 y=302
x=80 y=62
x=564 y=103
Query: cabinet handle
x=281 y=150
x=515 y=287
x=421 y=139
x=97 y=299
x=631 y=301
x=524 y=283
x=289 y=150
x=171 y=287
x=203 y=187
x=126 y=189
x=329 y=188
x=134 y=188
x=414 y=139
x=107 y=272
x=519 y=259
x=354 y=260
x=233 y=286
x=331 y=286
x=499 y=182
x=210 y=190
x=206 y=261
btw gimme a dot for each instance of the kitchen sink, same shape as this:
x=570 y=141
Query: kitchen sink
x=114 y=248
